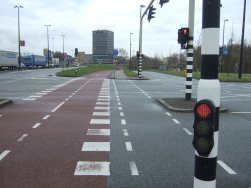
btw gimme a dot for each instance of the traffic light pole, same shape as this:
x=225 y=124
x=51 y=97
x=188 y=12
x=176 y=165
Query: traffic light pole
x=189 y=68
x=209 y=89
x=140 y=38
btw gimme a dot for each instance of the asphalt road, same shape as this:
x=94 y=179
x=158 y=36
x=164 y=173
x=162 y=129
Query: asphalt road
x=97 y=132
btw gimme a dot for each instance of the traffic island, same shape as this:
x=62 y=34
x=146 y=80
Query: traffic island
x=5 y=102
x=181 y=105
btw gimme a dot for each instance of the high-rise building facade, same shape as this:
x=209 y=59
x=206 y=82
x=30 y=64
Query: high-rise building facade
x=102 y=46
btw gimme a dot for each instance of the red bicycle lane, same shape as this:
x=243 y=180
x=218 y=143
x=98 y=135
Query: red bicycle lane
x=70 y=146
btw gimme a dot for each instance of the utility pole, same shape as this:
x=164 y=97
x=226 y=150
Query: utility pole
x=189 y=67
x=242 y=39
x=206 y=123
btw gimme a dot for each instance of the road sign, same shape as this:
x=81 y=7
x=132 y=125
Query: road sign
x=225 y=52
x=115 y=52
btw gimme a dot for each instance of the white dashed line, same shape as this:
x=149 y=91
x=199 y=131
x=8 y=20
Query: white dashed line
x=96 y=146
x=227 y=168
x=123 y=121
x=90 y=168
x=133 y=168
x=187 y=131
x=55 y=109
x=101 y=132
x=125 y=132
x=6 y=152
x=101 y=114
x=22 y=138
x=36 y=125
x=167 y=113
x=128 y=146
x=176 y=121
x=122 y=114
x=100 y=121
x=46 y=117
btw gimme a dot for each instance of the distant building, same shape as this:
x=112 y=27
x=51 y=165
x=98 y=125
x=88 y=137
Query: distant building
x=102 y=46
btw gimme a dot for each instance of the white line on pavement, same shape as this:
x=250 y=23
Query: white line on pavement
x=22 y=137
x=35 y=126
x=6 y=152
x=176 y=121
x=123 y=121
x=133 y=168
x=227 y=168
x=46 y=117
x=55 y=109
x=125 y=132
x=187 y=131
x=128 y=146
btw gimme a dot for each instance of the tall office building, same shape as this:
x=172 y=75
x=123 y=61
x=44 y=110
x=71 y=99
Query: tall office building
x=102 y=46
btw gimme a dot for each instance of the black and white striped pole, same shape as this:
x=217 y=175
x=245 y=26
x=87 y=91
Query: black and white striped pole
x=189 y=68
x=206 y=124
x=140 y=65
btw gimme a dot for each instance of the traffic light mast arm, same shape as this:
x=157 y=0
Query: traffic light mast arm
x=147 y=9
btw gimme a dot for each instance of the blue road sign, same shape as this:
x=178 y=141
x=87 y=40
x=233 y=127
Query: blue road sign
x=225 y=52
x=115 y=52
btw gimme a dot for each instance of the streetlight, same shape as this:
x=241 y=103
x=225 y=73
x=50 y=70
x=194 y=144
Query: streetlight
x=63 y=48
x=19 y=56
x=223 y=43
x=48 y=43
x=130 y=51
x=52 y=44
x=242 y=39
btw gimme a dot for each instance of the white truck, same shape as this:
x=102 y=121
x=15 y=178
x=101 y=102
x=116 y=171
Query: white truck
x=8 y=60
x=55 y=62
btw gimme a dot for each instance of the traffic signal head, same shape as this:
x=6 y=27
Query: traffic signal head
x=220 y=51
x=76 y=51
x=161 y=2
x=138 y=53
x=183 y=37
x=151 y=13
x=204 y=125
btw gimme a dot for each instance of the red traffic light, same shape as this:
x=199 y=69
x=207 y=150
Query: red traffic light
x=204 y=110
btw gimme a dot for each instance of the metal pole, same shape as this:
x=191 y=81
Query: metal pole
x=48 y=43
x=19 y=54
x=223 y=44
x=63 y=49
x=209 y=89
x=130 y=52
x=189 y=76
x=242 y=39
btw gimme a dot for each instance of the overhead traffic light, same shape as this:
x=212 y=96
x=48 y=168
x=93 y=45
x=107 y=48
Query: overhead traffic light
x=138 y=53
x=204 y=126
x=183 y=37
x=151 y=13
x=161 y=2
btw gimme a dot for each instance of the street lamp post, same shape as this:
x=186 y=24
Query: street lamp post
x=19 y=56
x=48 y=43
x=130 y=52
x=242 y=39
x=63 y=48
x=223 y=43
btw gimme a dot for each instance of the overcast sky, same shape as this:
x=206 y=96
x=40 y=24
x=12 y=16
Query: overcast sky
x=76 y=19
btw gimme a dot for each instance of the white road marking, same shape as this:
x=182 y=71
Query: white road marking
x=90 y=168
x=102 y=132
x=96 y=146
x=46 y=91
x=22 y=137
x=46 y=117
x=36 y=125
x=102 y=108
x=167 y=113
x=120 y=108
x=119 y=103
x=103 y=99
x=187 y=131
x=128 y=146
x=35 y=96
x=103 y=103
x=29 y=99
x=101 y=113
x=240 y=112
x=41 y=93
x=227 y=168
x=123 y=121
x=55 y=109
x=122 y=114
x=133 y=168
x=6 y=152
x=176 y=121
x=100 y=121
x=125 y=132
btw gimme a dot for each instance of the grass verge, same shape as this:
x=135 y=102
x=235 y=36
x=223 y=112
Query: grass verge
x=223 y=77
x=84 y=70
